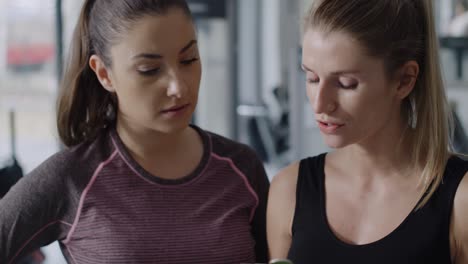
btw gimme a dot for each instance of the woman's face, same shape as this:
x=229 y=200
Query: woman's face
x=349 y=91
x=155 y=72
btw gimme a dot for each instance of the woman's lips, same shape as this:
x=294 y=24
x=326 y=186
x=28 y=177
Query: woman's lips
x=175 y=110
x=328 y=127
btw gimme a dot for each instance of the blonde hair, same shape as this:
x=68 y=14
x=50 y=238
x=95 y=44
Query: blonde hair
x=399 y=31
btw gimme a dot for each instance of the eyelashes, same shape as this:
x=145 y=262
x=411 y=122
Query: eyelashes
x=156 y=71
x=339 y=84
x=149 y=72
x=190 y=61
x=349 y=86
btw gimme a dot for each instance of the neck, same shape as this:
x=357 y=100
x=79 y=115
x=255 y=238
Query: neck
x=385 y=154
x=144 y=142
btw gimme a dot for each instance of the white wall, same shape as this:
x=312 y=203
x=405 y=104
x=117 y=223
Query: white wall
x=214 y=109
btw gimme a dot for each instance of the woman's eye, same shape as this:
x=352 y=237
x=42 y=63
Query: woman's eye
x=347 y=83
x=312 y=80
x=149 y=72
x=348 y=86
x=189 y=61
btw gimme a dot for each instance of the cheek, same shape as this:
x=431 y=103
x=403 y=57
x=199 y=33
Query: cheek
x=355 y=105
x=373 y=109
x=195 y=76
x=136 y=94
x=192 y=79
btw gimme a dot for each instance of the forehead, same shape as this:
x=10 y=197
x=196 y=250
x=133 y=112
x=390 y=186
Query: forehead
x=336 y=51
x=158 y=33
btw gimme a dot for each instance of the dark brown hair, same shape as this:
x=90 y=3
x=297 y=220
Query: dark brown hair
x=84 y=107
x=399 y=31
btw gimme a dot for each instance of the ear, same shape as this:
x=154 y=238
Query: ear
x=406 y=79
x=102 y=73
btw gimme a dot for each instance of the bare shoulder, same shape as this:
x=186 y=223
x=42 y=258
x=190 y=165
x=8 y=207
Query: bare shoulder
x=280 y=212
x=461 y=200
x=284 y=183
x=282 y=196
x=460 y=218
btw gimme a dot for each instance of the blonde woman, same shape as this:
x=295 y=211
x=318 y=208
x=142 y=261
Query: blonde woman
x=390 y=191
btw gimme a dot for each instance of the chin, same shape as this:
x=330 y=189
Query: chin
x=172 y=127
x=335 y=142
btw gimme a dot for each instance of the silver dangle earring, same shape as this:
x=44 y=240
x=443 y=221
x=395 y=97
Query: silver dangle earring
x=413 y=114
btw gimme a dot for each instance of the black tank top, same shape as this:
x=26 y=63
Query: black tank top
x=423 y=237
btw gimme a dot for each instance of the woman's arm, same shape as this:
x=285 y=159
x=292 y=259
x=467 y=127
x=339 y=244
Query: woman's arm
x=460 y=223
x=30 y=214
x=280 y=212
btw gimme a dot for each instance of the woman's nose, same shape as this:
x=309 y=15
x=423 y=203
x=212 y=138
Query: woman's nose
x=176 y=86
x=323 y=100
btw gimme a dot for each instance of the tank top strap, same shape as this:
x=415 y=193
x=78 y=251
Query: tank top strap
x=455 y=169
x=309 y=187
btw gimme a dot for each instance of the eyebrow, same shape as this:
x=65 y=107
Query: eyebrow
x=188 y=46
x=159 y=56
x=334 y=73
x=345 y=72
